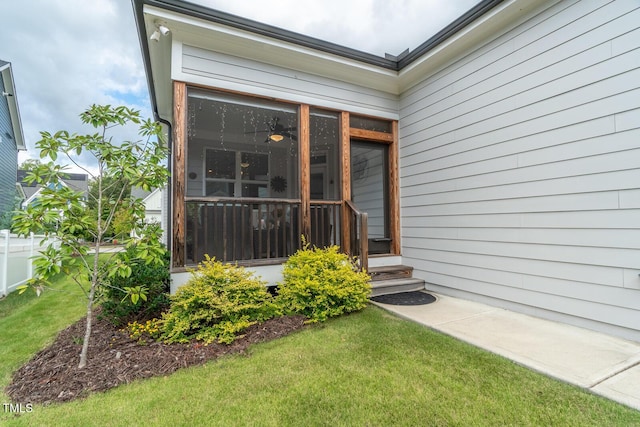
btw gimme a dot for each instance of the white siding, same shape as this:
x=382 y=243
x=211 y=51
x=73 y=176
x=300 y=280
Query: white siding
x=520 y=168
x=223 y=71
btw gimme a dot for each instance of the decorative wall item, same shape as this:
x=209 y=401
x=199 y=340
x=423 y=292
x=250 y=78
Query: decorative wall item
x=278 y=184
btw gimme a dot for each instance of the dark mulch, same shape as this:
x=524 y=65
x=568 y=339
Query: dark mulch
x=113 y=359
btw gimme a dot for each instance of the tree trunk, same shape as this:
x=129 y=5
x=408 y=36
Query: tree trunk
x=92 y=294
x=94 y=279
x=87 y=332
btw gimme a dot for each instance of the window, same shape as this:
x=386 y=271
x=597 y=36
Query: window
x=368 y=123
x=219 y=173
x=235 y=174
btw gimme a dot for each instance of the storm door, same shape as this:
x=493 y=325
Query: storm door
x=370 y=190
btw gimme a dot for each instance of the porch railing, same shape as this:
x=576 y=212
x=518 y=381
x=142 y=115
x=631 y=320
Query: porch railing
x=254 y=230
x=325 y=223
x=358 y=235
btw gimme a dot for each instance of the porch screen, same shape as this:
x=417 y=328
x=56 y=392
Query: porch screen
x=242 y=178
x=241 y=147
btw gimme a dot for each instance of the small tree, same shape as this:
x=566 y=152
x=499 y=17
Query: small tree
x=61 y=213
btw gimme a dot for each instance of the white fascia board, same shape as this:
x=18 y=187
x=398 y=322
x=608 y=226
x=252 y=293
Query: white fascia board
x=14 y=111
x=236 y=42
x=32 y=198
x=486 y=27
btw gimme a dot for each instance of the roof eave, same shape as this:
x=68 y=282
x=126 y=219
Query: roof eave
x=255 y=27
x=14 y=111
x=482 y=24
x=479 y=23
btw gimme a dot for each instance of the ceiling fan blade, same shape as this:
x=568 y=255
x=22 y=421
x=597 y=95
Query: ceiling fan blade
x=290 y=135
x=280 y=128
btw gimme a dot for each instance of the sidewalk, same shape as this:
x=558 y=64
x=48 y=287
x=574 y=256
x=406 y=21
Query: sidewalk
x=603 y=364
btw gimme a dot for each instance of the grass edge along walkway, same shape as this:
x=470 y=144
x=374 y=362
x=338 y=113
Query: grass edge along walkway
x=368 y=368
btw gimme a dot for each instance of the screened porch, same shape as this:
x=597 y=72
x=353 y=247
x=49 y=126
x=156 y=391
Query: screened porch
x=252 y=176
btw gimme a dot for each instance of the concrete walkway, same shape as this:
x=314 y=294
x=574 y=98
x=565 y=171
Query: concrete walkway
x=603 y=364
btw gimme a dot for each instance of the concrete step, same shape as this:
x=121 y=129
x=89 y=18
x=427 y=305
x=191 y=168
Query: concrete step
x=388 y=272
x=394 y=286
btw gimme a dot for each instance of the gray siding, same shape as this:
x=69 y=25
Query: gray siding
x=520 y=169
x=8 y=157
x=222 y=71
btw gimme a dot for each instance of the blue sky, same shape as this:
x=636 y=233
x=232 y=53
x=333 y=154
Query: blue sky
x=69 y=54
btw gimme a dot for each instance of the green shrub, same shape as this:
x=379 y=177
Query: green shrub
x=118 y=307
x=217 y=303
x=322 y=283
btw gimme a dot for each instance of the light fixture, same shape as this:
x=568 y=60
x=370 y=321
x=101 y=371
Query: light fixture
x=6 y=94
x=276 y=137
x=244 y=164
x=161 y=30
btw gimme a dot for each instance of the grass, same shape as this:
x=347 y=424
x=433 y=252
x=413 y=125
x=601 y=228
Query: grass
x=28 y=323
x=369 y=368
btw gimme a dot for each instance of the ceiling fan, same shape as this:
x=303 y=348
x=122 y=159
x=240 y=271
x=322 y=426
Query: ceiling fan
x=276 y=132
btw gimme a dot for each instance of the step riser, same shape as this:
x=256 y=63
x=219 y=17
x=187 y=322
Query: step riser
x=391 y=272
x=397 y=286
x=393 y=279
x=391 y=275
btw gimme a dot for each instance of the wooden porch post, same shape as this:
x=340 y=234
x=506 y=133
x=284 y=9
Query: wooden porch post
x=394 y=191
x=345 y=144
x=305 y=172
x=178 y=173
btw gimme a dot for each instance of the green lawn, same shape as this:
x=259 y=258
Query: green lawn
x=369 y=368
x=28 y=323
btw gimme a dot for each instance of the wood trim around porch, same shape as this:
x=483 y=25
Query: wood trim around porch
x=178 y=175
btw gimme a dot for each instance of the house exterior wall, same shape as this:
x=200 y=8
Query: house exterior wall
x=520 y=169
x=153 y=206
x=218 y=70
x=8 y=157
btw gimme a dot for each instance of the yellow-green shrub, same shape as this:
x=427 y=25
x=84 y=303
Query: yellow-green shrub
x=217 y=303
x=151 y=329
x=322 y=283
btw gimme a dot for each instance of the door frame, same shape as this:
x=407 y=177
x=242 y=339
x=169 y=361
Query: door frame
x=391 y=140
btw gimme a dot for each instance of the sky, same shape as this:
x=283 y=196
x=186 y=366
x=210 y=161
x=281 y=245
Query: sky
x=69 y=54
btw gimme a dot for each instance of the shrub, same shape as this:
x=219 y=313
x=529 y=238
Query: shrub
x=153 y=279
x=141 y=331
x=217 y=303
x=322 y=283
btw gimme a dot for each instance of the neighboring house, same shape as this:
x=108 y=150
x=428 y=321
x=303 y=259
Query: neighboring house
x=154 y=203
x=11 y=138
x=75 y=181
x=500 y=159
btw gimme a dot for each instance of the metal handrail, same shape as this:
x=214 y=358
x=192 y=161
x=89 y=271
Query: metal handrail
x=359 y=238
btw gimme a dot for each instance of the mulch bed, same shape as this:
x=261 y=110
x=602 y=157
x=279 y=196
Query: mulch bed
x=52 y=375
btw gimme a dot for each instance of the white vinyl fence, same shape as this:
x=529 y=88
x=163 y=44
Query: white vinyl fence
x=16 y=263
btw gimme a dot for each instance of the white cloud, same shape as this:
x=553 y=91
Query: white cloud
x=69 y=54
